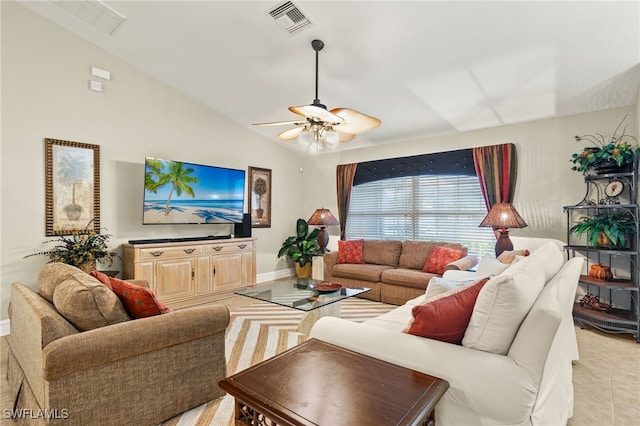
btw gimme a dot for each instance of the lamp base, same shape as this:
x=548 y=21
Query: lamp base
x=323 y=239
x=504 y=242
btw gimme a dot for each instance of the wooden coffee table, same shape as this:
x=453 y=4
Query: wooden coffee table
x=317 y=383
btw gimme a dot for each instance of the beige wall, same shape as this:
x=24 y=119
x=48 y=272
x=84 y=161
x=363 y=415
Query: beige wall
x=44 y=93
x=45 y=74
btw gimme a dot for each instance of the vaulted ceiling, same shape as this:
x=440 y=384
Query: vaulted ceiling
x=425 y=68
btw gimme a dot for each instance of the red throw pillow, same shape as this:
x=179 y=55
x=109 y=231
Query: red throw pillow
x=440 y=257
x=446 y=318
x=140 y=302
x=350 y=251
x=102 y=277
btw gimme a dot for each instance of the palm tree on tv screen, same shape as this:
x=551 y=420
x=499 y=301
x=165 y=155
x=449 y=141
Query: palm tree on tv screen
x=154 y=169
x=177 y=175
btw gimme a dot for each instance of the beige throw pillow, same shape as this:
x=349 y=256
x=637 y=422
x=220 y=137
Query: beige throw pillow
x=86 y=303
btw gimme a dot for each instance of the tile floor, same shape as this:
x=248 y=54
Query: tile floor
x=606 y=378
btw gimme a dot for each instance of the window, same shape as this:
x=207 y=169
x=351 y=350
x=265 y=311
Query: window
x=421 y=208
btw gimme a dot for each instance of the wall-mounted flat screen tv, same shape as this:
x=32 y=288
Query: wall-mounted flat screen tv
x=184 y=193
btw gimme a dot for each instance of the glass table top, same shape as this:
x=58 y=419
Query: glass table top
x=305 y=294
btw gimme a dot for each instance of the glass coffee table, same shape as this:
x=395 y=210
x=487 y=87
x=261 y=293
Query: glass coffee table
x=316 y=298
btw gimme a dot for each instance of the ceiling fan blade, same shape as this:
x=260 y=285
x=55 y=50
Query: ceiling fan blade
x=345 y=137
x=290 y=134
x=316 y=113
x=354 y=121
x=281 y=123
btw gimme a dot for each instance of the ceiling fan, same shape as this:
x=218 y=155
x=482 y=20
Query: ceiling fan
x=321 y=126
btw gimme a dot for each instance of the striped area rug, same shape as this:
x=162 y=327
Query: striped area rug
x=255 y=333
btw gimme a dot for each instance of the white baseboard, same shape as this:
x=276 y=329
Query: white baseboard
x=5 y=327
x=275 y=275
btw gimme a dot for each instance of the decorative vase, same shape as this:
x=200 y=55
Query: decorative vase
x=601 y=272
x=603 y=241
x=88 y=266
x=303 y=271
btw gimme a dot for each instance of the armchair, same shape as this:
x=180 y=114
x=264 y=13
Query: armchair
x=140 y=371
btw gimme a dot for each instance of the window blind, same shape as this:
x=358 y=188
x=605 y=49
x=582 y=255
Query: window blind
x=421 y=208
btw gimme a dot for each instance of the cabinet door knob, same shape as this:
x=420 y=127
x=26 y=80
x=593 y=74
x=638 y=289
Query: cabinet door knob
x=242 y=246
x=157 y=253
x=218 y=248
x=189 y=250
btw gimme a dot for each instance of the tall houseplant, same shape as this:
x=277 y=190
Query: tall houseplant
x=301 y=248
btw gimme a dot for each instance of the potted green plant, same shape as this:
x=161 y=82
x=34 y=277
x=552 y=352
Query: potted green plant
x=606 y=229
x=605 y=156
x=301 y=248
x=81 y=249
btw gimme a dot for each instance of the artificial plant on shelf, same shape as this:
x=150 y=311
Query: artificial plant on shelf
x=617 y=151
x=606 y=229
x=82 y=248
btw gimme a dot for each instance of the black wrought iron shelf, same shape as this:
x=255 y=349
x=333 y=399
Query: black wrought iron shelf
x=600 y=207
x=616 y=320
x=616 y=283
x=623 y=317
x=621 y=252
x=608 y=176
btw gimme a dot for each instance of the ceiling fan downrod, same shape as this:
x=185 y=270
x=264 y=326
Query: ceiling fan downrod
x=317 y=46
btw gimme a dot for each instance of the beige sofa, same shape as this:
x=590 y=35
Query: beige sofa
x=514 y=364
x=392 y=269
x=140 y=371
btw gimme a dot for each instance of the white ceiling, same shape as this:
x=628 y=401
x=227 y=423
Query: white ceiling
x=424 y=68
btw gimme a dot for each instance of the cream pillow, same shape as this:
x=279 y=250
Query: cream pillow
x=489 y=265
x=501 y=306
x=549 y=255
x=439 y=286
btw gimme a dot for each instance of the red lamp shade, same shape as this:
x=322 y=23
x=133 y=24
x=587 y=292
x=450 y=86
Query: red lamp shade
x=323 y=218
x=501 y=217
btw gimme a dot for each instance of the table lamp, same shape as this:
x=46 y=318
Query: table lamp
x=323 y=218
x=501 y=217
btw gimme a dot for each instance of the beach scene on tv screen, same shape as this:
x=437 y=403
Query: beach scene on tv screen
x=185 y=193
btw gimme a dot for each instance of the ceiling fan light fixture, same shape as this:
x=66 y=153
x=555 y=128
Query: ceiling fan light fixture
x=331 y=137
x=316 y=146
x=306 y=138
x=318 y=129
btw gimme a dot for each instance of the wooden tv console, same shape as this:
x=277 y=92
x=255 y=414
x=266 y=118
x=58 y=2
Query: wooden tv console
x=188 y=273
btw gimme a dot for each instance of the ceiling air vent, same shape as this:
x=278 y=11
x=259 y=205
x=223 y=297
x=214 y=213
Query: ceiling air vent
x=289 y=17
x=94 y=12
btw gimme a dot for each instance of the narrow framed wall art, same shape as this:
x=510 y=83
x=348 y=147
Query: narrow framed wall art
x=260 y=197
x=72 y=187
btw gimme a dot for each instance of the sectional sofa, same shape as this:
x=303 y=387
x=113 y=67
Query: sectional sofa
x=392 y=269
x=513 y=365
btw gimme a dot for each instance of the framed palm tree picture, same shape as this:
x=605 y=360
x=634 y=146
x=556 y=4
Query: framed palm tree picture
x=260 y=197
x=72 y=187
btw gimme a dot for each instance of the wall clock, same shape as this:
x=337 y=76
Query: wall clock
x=614 y=188
x=612 y=191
